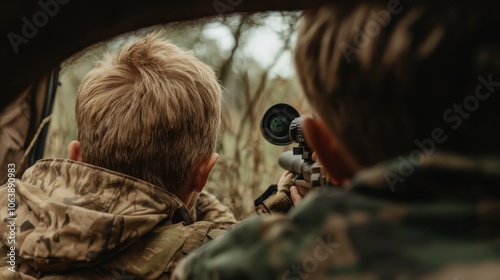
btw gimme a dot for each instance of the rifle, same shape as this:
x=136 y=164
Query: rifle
x=281 y=126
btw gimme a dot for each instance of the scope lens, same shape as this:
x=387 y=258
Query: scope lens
x=279 y=126
x=275 y=124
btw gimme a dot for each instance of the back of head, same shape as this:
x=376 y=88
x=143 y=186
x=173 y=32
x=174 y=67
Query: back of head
x=386 y=75
x=151 y=111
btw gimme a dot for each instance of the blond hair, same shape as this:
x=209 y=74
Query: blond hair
x=384 y=77
x=151 y=111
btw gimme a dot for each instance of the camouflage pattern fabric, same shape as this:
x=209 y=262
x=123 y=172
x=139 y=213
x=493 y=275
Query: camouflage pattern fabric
x=14 y=126
x=209 y=208
x=78 y=221
x=438 y=219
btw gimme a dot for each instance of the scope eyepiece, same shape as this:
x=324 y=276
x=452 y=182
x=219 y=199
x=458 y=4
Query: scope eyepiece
x=277 y=123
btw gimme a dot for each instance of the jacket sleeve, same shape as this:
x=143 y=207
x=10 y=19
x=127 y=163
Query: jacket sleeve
x=270 y=247
x=273 y=201
x=210 y=209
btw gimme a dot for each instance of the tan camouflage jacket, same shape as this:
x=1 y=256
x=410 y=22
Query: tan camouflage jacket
x=438 y=219
x=71 y=220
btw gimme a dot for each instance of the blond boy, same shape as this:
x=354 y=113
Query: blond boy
x=126 y=202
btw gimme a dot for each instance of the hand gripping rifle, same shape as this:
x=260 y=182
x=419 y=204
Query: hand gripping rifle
x=281 y=125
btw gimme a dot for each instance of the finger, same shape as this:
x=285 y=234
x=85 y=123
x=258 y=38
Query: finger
x=288 y=180
x=296 y=197
x=314 y=157
x=283 y=177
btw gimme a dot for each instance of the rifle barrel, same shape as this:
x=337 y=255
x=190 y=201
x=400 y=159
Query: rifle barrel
x=294 y=164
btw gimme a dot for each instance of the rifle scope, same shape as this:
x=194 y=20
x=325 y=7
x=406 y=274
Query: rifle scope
x=280 y=125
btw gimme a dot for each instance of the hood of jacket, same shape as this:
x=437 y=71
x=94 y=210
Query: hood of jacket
x=72 y=214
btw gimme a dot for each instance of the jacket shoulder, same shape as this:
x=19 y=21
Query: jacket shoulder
x=157 y=253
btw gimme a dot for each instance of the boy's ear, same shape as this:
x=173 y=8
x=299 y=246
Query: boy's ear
x=336 y=160
x=74 y=151
x=202 y=171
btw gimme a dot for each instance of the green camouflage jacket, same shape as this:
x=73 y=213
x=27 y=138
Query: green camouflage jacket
x=71 y=220
x=438 y=219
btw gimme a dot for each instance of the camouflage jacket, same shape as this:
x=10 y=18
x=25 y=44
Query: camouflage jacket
x=438 y=219
x=71 y=220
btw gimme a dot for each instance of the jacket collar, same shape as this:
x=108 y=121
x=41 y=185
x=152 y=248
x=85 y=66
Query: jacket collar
x=103 y=190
